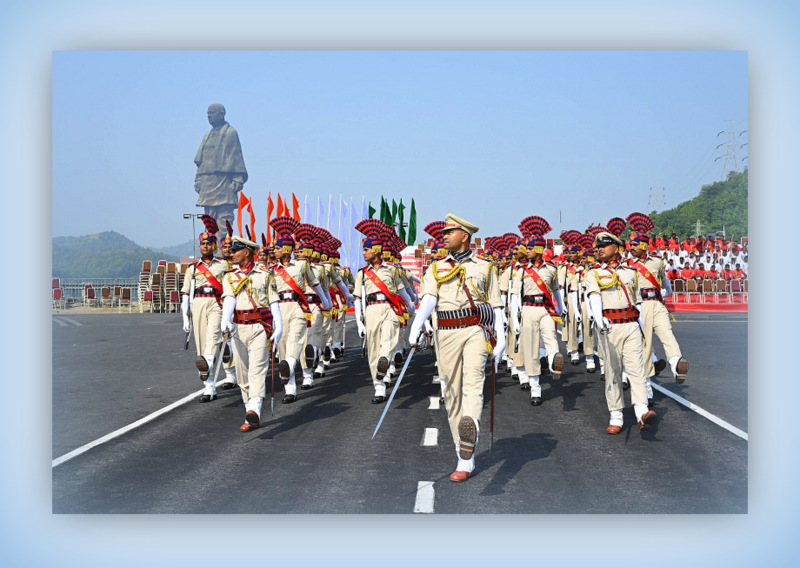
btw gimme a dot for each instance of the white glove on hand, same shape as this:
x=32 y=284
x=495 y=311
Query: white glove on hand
x=277 y=324
x=362 y=331
x=185 y=324
x=413 y=336
x=500 y=346
x=605 y=324
x=226 y=326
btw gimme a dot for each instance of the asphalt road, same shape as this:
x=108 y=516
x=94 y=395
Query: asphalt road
x=317 y=455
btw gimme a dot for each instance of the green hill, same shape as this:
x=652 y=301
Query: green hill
x=722 y=204
x=104 y=255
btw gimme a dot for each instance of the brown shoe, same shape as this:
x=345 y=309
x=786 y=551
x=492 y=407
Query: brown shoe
x=468 y=437
x=613 y=429
x=682 y=368
x=459 y=476
x=383 y=366
x=558 y=366
x=284 y=371
x=648 y=419
x=251 y=422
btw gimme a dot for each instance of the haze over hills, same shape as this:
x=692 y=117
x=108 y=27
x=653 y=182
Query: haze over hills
x=104 y=255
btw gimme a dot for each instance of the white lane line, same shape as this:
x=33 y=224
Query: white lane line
x=72 y=321
x=716 y=420
x=123 y=430
x=59 y=322
x=425 y=497
x=434 y=403
x=431 y=437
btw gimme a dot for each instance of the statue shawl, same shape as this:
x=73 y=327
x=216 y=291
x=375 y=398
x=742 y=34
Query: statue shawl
x=226 y=157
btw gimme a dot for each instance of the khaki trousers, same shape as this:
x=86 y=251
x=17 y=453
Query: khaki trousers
x=626 y=340
x=588 y=332
x=383 y=331
x=316 y=333
x=206 y=320
x=655 y=318
x=536 y=325
x=571 y=328
x=251 y=357
x=462 y=360
x=295 y=330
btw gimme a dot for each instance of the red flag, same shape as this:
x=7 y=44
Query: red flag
x=252 y=219
x=243 y=201
x=295 y=208
x=280 y=206
x=270 y=209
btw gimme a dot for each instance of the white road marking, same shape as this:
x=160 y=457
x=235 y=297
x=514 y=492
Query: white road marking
x=425 y=497
x=72 y=321
x=85 y=448
x=431 y=437
x=59 y=322
x=716 y=420
x=434 y=403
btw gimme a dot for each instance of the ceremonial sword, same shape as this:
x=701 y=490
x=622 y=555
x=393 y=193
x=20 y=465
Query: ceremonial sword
x=218 y=355
x=394 y=390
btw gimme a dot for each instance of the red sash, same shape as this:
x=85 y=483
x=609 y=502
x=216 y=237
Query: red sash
x=644 y=272
x=395 y=301
x=301 y=300
x=216 y=284
x=549 y=304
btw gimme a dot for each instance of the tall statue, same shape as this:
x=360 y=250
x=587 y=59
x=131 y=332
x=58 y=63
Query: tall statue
x=220 y=168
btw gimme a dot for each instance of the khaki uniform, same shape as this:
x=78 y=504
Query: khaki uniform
x=586 y=323
x=295 y=324
x=535 y=323
x=253 y=292
x=618 y=287
x=518 y=358
x=381 y=322
x=561 y=280
x=655 y=317
x=463 y=352
x=317 y=333
x=571 y=329
x=205 y=305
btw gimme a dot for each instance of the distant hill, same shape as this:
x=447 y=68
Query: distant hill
x=183 y=250
x=722 y=204
x=104 y=255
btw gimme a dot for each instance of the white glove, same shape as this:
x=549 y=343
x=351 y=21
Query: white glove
x=500 y=346
x=407 y=299
x=359 y=323
x=426 y=306
x=323 y=296
x=277 y=324
x=515 y=325
x=185 y=312
x=362 y=331
x=596 y=307
x=228 y=305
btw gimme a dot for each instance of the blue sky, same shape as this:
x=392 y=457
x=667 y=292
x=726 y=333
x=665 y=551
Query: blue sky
x=492 y=136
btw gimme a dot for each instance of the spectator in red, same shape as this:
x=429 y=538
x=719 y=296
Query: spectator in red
x=673 y=243
x=660 y=243
x=700 y=272
x=686 y=272
x=738 y=272
x=726 y=272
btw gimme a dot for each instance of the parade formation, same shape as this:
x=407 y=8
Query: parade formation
x=511 y=302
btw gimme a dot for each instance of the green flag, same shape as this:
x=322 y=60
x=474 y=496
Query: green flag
x=412 y=225
x=401 y=231
x=371 y=209
x=384 y=215
x=394 y=212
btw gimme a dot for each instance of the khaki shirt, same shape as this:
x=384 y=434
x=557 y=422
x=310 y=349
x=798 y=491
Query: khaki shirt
x=252 y=291
x=504 y=280
x=525 y=284
x=217 y=267
x=479 y=276
x=623 y=285
x=655 y=266
x=300 y=272
x=388 y=274
x=320 y=275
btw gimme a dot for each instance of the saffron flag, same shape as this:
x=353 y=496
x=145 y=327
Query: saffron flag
x=295 y=208
x=280 y=211
x=243 y=202
x=270 y=209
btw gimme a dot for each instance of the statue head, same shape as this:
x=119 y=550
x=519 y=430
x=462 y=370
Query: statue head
x=216 y=114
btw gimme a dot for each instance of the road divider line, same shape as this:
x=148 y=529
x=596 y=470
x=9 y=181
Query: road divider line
x=59 y=322
x=73 y=322
x=85 y=448
x=704 y=413
x=434 y=403
x=425 y=497
x=431 y=437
